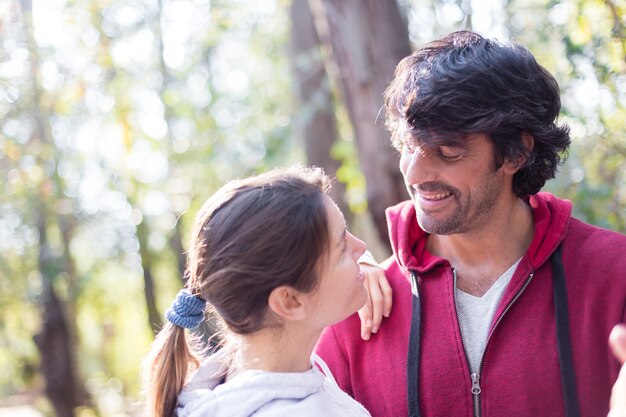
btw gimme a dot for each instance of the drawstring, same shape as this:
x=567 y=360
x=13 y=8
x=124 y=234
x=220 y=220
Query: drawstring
x=566 y=362
x=414 y=351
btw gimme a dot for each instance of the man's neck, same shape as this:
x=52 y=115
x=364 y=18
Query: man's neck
x=481 y=256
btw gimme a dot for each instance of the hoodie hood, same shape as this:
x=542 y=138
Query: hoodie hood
x=408 y=241
x=205 y=395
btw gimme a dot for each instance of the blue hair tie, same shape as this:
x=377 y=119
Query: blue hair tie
x=187 y=310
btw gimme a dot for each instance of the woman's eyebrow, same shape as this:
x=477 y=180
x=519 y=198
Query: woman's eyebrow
x=342 y=237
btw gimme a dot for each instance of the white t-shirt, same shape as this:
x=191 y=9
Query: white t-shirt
x=476 y=315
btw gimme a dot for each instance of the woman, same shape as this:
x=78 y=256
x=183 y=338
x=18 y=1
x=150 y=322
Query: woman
x=272 y=258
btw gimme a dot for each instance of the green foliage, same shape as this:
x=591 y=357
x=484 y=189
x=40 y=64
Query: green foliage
x=583 y=44
x=149 y=111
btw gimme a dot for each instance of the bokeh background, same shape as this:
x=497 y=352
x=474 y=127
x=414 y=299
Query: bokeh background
x=118 y=118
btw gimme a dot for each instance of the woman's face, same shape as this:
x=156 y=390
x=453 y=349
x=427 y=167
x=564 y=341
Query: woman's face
x=340 y=291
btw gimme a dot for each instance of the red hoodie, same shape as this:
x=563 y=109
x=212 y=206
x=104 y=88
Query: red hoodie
x=520 y=374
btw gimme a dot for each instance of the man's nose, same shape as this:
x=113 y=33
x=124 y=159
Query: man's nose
x=420 y=167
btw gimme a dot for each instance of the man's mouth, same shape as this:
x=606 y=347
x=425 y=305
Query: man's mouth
x=434 y=197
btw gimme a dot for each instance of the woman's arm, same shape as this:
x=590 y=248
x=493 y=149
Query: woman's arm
x=379 y=299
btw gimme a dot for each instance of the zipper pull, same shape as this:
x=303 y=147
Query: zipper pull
x=476 y=383
x=414 y=288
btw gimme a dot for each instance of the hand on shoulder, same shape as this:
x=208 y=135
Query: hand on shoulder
x=617 y=341
x=379 y=297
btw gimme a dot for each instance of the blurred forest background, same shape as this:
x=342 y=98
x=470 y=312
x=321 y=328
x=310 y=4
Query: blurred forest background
x=118 y=118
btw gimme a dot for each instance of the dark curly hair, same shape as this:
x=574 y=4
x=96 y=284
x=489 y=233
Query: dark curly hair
x=465 y=84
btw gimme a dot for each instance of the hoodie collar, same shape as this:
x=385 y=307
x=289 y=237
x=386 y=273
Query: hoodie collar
x=408 y=241
x=205 y=394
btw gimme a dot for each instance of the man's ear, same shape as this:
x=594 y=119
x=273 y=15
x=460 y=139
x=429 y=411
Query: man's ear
x=287 y=302
x=516 y=164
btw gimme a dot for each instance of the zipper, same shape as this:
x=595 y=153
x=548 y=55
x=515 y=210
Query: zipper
x=475 y=383
x=475 y=377
x=476 y=392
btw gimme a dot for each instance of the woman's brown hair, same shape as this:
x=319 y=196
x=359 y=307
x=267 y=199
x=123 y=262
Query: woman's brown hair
x=251 y=236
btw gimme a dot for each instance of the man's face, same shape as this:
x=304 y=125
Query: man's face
x=455 y=189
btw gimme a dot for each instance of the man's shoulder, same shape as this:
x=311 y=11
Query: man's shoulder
x=396 y=274
x=589 y=234
x=595 y=243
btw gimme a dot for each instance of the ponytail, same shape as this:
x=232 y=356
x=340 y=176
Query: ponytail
x=166 y=368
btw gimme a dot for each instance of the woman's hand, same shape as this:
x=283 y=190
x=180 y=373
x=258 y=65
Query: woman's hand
x=379 y=300
x=617 y=341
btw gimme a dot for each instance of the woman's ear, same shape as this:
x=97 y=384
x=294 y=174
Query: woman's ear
x=518 y=163
x=287 y=303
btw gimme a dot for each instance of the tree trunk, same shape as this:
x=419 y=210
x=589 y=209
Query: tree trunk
x=176 y=243
x=154 y=316
x=368 y=39
x=54 y=341
x=57 y=339
x=316 y=113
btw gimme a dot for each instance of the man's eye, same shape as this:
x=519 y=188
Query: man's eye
x=448 y=154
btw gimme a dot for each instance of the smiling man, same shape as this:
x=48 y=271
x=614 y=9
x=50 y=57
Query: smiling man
x=503 y=303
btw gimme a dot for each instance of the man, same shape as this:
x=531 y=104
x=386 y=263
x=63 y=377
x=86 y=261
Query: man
x=503 y=302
